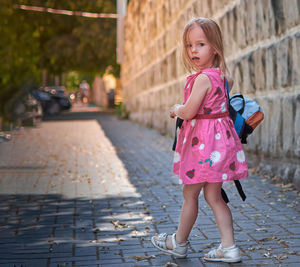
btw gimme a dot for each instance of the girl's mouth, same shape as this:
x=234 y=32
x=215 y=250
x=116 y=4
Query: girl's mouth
x=195 y=58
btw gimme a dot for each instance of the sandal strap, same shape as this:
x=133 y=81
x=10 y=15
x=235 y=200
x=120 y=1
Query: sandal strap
x=215 y=253
x=161 y=240
x=175 y=244
x=219 y=253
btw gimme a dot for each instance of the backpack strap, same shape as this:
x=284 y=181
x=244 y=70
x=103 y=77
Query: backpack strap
x=240 y=189
x=179 y=122
x=237 y=118
x=224 y=195
x=236 y=182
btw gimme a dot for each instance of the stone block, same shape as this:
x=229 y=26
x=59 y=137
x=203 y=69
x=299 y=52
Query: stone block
x=291 y=12
x=270 y=66
x=268 y=17
x=296 y=180
x=282 y=63
x=267 y=169
x=232 y=17
x=265 y=126
x=259 y=69
x=260 y=23
x=237 y=77
x=254 y=141
x=288 y=121
x=294 y=57
x=240 y=25
x=278 y=10
x=275 y=127
x=248 y=68
x=250 y=20
x=288 y=174
x=297 y=127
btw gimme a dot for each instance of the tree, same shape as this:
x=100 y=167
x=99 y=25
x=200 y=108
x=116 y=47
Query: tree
x=32 y=41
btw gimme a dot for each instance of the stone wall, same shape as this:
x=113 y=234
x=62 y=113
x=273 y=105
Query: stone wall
x=262 y=43
x=98 y=92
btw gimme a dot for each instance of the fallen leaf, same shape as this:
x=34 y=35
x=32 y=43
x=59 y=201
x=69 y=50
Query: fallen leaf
x=117 y=224
x=97 y=241
x=52 y=242
x=281 y=257
x=287 y=185
x=256 y=214
x=169 y=264
x=141 y=258
x=261 y=229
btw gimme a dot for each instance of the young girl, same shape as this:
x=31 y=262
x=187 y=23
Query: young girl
x=208 y=150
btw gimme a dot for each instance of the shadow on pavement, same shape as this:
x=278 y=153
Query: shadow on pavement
x=50 y=230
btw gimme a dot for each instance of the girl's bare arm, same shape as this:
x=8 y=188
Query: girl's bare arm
x=187 y=111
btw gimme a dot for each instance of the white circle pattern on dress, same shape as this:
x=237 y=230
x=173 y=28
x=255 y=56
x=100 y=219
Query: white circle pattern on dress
x=240 y=155
x=223 y=107
x=224 y=176
x=201 y=147
x=176 y=157
x=215 y=156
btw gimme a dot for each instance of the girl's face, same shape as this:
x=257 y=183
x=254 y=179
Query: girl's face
x=199 y=50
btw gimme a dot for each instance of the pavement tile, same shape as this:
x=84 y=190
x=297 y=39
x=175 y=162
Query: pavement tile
x=97 y=188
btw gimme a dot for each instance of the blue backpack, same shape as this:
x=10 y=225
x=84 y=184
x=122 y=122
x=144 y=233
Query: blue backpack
x=245 y=113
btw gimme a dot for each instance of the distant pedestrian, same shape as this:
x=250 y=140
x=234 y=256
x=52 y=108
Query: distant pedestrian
x=84 y=91
x=208 y=150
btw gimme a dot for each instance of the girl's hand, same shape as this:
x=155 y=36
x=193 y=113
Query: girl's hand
x=173 y=110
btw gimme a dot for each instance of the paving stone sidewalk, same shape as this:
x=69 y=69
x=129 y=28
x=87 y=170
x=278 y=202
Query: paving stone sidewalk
x=87 y=189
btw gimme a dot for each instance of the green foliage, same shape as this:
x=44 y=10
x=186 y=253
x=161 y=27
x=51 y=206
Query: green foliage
x=32 y=41
x=74 y=78
x=19 y=52
x=73 y=81
x=121 y=111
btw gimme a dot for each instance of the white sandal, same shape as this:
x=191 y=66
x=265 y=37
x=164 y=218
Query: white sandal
x=224 y=254
x=179 y=250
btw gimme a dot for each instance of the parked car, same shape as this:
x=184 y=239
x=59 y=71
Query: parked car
x=53 y=99
x=25 y=109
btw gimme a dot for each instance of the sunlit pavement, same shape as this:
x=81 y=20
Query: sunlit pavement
x=86 y=189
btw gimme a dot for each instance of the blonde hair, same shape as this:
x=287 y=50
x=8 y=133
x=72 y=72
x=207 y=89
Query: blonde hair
x=214 y=37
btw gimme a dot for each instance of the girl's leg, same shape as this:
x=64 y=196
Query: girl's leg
x=189 y=213
x=212 y=195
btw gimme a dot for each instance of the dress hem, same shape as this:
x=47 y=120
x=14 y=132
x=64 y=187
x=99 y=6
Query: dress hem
x=209 y=180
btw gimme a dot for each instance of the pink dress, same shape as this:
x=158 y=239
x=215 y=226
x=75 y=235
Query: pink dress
x=209 y=149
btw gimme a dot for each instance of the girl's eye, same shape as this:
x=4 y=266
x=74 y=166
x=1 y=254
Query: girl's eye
x=188 y=45
x=201 y=44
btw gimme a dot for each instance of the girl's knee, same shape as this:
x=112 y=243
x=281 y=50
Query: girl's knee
x=213 y=198
x=191 y=192
x=212 y=192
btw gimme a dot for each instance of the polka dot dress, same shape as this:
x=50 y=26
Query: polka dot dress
x=209 y=150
